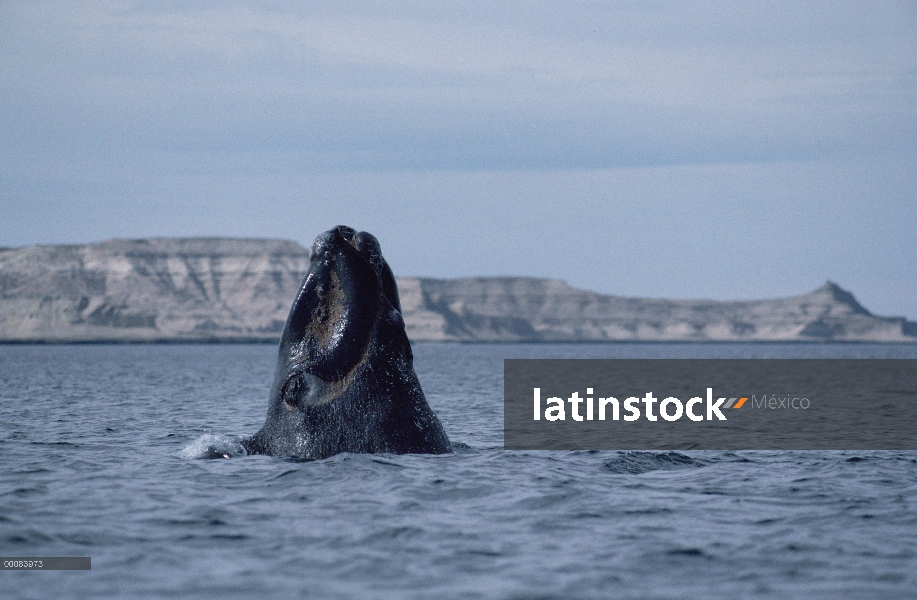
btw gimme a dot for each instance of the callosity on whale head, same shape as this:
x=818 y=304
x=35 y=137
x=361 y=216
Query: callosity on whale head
x=345 y=378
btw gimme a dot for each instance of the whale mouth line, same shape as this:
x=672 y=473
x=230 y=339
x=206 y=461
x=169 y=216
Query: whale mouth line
x=329 y=387
x=328 y=315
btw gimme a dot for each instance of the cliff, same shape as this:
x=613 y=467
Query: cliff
x=241 y=290
x=150 y=290
x=521 y=309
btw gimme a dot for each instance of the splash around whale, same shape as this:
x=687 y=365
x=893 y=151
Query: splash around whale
x=345 y=379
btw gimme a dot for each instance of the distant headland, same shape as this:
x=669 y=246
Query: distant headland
x=240 y=290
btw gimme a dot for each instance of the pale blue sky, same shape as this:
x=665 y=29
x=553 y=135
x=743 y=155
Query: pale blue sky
x=684 y=150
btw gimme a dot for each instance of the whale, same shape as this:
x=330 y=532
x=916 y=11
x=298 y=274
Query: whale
x=345 y=379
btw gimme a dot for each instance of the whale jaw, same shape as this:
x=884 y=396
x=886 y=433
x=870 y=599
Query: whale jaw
x=345 y=380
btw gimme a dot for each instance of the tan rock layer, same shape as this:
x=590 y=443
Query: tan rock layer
x=200 y=289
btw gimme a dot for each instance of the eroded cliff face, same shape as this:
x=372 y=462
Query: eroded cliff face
x=517 y=309
x=241 y=290
x=155 y=289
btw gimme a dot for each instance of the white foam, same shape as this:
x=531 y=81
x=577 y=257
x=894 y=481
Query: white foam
x=214 y=446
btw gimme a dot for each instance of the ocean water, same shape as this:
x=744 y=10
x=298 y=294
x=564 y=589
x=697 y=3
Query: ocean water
x=98 y=457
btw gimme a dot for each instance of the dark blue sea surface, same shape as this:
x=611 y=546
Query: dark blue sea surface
x=99 y=448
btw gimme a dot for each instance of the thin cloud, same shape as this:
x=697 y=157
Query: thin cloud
x=437 y=88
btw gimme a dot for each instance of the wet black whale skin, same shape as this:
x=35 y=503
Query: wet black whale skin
x=345 y=378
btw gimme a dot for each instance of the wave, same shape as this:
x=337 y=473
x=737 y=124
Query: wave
x=643 y=462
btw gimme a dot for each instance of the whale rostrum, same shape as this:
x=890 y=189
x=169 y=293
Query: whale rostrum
x=345 y=379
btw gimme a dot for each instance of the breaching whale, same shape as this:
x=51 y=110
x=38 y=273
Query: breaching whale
x=345 y=379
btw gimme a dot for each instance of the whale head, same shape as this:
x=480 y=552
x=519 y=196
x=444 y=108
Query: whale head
x=344 y=380
x=347 y=288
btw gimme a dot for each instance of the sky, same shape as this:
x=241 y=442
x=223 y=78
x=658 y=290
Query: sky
x=694 y=149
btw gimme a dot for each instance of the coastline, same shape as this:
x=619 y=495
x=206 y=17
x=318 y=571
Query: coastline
x=228 y=290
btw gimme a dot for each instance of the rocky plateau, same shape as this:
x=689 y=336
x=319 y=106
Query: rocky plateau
x=240 y=290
